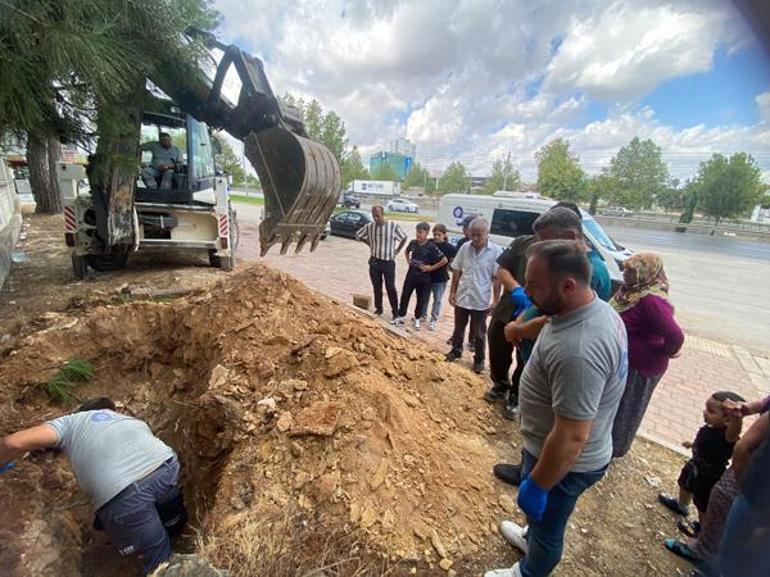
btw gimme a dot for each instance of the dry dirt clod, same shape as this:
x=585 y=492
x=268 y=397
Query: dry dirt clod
x=437 y=544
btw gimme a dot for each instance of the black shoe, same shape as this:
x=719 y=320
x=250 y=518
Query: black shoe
x=510 y=474
x=453 y=355
x=673 y=504
x=377 y=312
x=478 y=367
x=497 y=392
x=511 y=408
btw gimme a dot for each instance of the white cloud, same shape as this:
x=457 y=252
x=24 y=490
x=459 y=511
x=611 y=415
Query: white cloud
x=627 y=49
x=470 y=80
x=763 y=102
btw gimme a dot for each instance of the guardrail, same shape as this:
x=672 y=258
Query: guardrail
x=703 y=228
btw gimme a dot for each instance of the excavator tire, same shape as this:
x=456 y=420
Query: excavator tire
x=301 y=182
x=79 y=267
x=108 y=262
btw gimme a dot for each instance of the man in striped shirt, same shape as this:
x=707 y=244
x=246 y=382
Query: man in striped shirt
x=385 y=239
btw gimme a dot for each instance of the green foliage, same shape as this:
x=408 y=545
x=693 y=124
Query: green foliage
x=61 y=59
x=325 y=127
x=228 y=161
x=419 y=177
x=384 y=172
x=673 y=197
x=601 y=186
x=455 y=179
x=559 y=174
x=353 y=168
x=503 y=176
x=640 y=172
x=727 y=187
x=74 y=372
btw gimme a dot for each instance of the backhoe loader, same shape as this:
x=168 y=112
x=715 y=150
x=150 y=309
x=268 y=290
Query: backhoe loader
x=118 y=213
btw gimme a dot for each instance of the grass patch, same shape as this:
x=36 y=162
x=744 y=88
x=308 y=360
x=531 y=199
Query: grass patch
x=74 y=372
x=247 y=199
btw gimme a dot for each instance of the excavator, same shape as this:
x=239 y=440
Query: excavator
x=117 y=213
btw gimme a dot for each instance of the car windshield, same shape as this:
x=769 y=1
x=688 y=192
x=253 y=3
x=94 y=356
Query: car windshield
x=598 y=233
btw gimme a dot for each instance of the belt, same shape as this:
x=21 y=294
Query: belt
x=381 y=259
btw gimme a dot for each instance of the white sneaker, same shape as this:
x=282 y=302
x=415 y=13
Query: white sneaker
x=417 y=324
x=510 y=572
x=515 y=535
x=432 y=325
x=397 y=322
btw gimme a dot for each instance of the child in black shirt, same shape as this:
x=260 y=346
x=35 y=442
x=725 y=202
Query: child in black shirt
x=711 y=451
x=423 y=257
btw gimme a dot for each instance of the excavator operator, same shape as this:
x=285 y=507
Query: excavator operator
x=165 y=159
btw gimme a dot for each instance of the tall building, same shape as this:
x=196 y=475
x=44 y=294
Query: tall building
x=403 y=146
x=399 y=162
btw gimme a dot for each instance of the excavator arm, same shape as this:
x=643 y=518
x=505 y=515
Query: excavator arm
x=300 y=177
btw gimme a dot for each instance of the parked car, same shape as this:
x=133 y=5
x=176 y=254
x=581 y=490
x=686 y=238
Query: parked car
x=347 y=222
x=350 y=201
x=616 y=211
x=401 y=205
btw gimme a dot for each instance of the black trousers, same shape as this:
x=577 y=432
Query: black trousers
x=423 y=293
x=379 y=270
x=501 y=359
x=477 y=333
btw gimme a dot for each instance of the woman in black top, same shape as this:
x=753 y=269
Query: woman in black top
x=423 y=257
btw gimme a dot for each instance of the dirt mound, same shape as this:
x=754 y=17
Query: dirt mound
x=285 y=405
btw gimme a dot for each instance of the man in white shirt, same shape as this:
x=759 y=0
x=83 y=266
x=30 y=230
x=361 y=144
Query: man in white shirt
x=474 y=290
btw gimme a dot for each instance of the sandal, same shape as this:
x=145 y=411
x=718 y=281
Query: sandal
x=691 y=529
x=682 y=550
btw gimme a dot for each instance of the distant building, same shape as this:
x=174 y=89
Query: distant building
x=400 y=163
x=403 y=146
x=478 y=181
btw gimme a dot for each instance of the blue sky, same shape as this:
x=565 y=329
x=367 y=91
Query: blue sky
x=466 y=86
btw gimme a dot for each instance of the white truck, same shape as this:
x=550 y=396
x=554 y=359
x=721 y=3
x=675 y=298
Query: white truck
x=375 y=187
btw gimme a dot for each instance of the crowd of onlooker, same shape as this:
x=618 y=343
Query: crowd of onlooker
x=586 y=360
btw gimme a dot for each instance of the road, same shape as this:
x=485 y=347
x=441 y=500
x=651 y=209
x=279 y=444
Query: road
x=719 y=285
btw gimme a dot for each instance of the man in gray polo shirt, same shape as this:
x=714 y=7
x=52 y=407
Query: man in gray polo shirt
x=474 y=281
x=570 y=391
x=129 y=475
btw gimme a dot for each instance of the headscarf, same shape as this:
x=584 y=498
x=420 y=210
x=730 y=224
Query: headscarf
x=650 y=279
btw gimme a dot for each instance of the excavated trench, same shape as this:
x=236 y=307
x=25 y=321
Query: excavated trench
x=308 y=436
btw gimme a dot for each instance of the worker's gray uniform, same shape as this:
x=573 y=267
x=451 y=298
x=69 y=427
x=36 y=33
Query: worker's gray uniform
x=160 y=155
x=126 y=471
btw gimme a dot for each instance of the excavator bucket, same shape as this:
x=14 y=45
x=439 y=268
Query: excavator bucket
x=301 y=182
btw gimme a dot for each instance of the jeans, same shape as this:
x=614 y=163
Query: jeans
x=437 y=290
x=546 y=537
x=422 y=290
x=478 y=331
x=150 y=176
x=131 y=519
x=745 y=543
x=379 y=270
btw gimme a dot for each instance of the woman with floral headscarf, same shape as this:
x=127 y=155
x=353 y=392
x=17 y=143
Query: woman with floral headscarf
x=653 y=338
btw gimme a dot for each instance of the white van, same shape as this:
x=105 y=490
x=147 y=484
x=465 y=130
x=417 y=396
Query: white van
x=511 y=215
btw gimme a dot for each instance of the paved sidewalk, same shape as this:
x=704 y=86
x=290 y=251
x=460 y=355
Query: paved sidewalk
x=338 y=268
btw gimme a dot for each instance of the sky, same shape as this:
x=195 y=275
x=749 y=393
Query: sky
x=476 y=80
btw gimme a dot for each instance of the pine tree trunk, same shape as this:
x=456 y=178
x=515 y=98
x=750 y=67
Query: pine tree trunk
x=40 y=179
x=54 y=156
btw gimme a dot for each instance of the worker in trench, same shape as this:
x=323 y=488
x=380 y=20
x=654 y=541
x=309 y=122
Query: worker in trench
x=129 y=475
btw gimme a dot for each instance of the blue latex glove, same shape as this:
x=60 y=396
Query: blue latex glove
x=532 y=499
x=520 y=300
x=7 y=467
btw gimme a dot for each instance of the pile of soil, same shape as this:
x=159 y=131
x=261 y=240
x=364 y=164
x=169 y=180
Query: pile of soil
x=296 y=420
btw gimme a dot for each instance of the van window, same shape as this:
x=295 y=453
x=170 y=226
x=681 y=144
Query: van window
x=595 y=230
x=507 y=222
